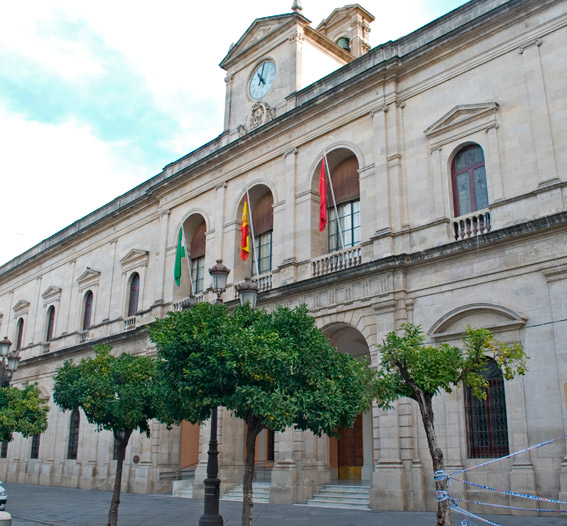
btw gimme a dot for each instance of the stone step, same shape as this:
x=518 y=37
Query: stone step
x=183 y=489
x=345 y=506
x=342 y=496
x=260 y=493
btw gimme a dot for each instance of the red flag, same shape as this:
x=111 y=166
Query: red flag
x=244 y=235
x=323 y=197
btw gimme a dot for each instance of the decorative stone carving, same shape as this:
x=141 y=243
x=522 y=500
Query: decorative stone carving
x=260 y=114
x=89 y=278
x=51 y=295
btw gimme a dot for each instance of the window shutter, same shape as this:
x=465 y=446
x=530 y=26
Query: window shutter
x=262 y=214
x=345 y=181
x=198 y=243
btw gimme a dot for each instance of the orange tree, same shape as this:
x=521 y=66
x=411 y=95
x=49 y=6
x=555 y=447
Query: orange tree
x=409 y=368
x=272 y=369
x=22 y=411
x=117 y=393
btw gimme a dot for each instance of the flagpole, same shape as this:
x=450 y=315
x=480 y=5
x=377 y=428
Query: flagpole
x=187 y=257
x=334 y=201
x=254 y=257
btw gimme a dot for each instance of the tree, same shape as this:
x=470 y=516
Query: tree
x=118 y=394
x=272 y=369
x=409 y=368
x=22 y=411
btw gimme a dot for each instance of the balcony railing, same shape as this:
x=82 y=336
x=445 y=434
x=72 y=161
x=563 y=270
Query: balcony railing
x=264 y=282
x=339 y=260
x=471 y=225
x=177 y=306
x=84 y=336
x=130 y=323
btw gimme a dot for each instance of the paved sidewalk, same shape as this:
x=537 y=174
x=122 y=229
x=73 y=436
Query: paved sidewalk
x=48 y=506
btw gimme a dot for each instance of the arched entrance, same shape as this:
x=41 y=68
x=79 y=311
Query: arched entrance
x=350 y=456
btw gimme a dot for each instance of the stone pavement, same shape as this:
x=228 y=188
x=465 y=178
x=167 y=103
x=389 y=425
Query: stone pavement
x=49 y=506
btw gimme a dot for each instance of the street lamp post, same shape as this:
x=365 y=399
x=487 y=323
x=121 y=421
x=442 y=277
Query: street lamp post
x=9 y=362
x=211 y=516
x=247 y=292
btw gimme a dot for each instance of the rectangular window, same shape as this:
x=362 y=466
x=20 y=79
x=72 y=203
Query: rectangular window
x=35 y=447
x=349 y=223
x=198 y=274
x=263 y=252
x=73 y=445
x=4 y=450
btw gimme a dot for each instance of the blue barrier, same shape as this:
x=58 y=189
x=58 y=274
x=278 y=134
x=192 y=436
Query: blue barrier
x=444 y=495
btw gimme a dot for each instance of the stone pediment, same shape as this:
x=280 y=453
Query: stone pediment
x=51 y=294
x=486 y=315
x=342 y=14
x=135 y=258
x=472 y=117
x=259 y=29
x=21 y=307
x=88 y=278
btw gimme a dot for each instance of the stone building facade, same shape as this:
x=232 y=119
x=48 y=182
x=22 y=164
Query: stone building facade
x=447 y=152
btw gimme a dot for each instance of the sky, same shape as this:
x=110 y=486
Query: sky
x=97 y=97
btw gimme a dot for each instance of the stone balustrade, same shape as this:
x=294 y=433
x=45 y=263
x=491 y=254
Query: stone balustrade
x=339 y=260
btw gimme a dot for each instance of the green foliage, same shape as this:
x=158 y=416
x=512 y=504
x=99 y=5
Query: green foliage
x=115 y=393
x=410 y=367
x=22 y=411
x=275 y=367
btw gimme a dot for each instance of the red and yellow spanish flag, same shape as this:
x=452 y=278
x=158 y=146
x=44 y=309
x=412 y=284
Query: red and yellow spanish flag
x=322 y=197
x=244 y=232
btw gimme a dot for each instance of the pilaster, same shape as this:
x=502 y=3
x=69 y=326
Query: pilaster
x=539 y=115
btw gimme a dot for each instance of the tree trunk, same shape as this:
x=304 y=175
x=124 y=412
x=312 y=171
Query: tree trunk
x=253 y=427
x=426 y=408
x=123 y=438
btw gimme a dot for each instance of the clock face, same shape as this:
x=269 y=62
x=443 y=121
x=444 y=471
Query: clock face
x=262 y=80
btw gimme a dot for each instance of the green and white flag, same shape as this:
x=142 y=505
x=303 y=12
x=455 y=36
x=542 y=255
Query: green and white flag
x=178 y=256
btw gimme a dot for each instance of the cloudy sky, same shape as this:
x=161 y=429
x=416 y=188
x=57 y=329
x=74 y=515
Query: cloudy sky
x=96 y=97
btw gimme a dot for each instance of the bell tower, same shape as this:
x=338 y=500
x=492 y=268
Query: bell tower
x=278 y=55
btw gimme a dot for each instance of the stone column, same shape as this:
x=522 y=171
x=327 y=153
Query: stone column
x=284 y=252
x=215 y=232
x=494 y=167
x=382 y=238
x=284 y=475
x=557 y=284
x=388 y=490
x=160 y=270
x=541 y=128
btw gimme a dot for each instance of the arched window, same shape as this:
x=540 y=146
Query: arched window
x=35 y=447
x=50 y=323
x=263 y=224
x=487 y=427
x=469 y=180
x=73 y=446
x=197 y=254
x=344 y=178
x=19 y=333
x=87 y=309
x=134 y=294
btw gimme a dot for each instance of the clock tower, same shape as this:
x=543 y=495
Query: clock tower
x=280 y=54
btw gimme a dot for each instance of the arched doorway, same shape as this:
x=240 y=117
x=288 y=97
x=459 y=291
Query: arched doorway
x=350 y=456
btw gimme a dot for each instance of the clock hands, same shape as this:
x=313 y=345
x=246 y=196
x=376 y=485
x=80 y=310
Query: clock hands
x=260 y=75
